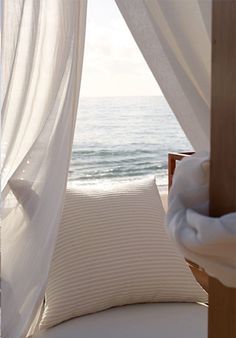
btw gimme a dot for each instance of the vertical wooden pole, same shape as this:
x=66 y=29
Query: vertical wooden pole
x=222 y=300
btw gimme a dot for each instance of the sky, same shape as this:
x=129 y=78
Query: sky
x=113 y=64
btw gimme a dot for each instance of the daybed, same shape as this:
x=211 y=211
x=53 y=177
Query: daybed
x=137 y=321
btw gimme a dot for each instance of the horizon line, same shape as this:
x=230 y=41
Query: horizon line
x=116 y=96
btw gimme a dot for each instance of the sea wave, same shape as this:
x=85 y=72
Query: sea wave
x=121 y=139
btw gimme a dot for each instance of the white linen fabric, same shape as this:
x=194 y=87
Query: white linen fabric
x=136 y=321
x=207 y=241
x=112 y=249
x=42 y=59
x=175 y=39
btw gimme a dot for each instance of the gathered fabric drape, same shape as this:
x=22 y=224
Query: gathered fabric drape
x=208 y=241
x=174 y=37
x=42 y=54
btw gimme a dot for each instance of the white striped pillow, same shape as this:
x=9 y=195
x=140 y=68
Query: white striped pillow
x=112 y=249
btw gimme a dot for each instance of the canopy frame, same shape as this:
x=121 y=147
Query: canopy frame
x=222 y=300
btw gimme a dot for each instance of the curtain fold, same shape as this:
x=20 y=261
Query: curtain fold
x=174 y=37
x=207 y=241
x=42 y=54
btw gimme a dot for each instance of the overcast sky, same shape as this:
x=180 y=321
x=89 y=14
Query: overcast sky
x=113 y=64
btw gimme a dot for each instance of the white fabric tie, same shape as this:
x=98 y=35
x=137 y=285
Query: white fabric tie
x=208 y=241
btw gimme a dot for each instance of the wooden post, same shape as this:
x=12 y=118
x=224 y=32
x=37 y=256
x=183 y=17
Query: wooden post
x=222 y=300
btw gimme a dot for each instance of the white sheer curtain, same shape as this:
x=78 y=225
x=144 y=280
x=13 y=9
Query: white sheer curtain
x=43 y=42
x=174 y=37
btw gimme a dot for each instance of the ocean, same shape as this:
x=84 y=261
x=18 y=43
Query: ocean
x=124 y=138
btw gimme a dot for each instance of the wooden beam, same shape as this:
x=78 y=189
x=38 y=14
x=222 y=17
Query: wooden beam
x=222 y=300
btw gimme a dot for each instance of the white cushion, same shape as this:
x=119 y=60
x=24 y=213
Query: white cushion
x=112 y=249
x=137 y=321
